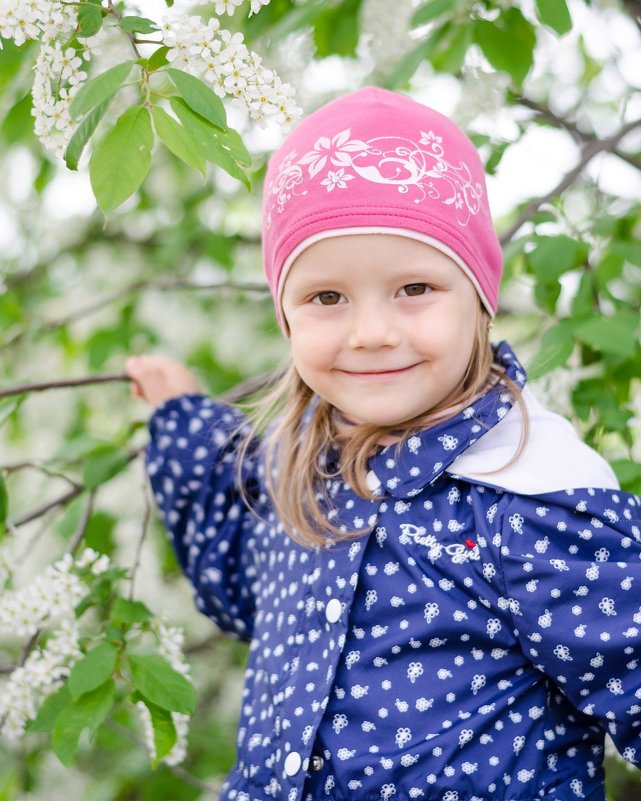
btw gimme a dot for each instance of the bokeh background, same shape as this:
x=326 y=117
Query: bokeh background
x=550 y=93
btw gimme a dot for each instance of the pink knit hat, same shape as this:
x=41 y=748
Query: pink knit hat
x=378 y=162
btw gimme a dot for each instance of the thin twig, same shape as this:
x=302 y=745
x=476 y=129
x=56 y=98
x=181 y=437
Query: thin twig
x=17 y=466
x=573 y=129
x=163 y=286
x=39 y=511
x=589 y=151
x=64 y=499
x=192 y=780
x=80 y=532
x=26 y=651
x=21 y=389
x=141 y=539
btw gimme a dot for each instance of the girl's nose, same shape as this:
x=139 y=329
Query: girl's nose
x=373 y=327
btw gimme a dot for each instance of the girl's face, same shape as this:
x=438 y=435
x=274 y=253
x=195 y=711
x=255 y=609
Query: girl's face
x=382 y=326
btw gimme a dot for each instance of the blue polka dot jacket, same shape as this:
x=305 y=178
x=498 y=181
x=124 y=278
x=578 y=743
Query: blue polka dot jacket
x=474 y=644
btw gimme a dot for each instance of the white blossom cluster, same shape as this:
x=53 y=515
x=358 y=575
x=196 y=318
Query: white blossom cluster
x=49 y=601
x=58 y=76
x=170 y=647
x=229 y=6
x=51 y=597
x=58 y=73
x=223 y=61
x=35 y=19
x=482 y=91
x=43 y=672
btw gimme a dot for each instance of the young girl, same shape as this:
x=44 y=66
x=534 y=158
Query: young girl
x=439 y=581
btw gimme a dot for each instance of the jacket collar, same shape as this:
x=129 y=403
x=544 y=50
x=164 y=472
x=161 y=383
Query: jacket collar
x=405 y=468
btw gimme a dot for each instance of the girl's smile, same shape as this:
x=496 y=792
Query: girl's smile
x=379 y=375
x=382 y=326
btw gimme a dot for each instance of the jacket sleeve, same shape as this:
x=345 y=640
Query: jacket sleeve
x=191 y=461
x=572 y=570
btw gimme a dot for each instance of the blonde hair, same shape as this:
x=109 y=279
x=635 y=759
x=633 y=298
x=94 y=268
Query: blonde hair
x=299 y=430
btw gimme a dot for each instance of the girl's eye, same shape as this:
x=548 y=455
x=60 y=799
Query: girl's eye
x=327 y=298
x=412 y=290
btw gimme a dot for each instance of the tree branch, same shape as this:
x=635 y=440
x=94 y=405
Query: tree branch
x=589 y=151
x=82 y=525
x=579 y=136
x=15 y=467
x=39 y=511
x=61 y=500
x=144 y=528
x=164 y=286
x=21 y=389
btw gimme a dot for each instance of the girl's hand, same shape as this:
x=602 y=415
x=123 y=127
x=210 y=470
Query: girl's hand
x=157 y=379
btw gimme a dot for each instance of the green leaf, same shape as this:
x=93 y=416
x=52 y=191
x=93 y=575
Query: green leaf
x=631 y=251
x=103 y=463
x=496 y=155
x=17 y=126
x=83 y=133
x=554 y=14
x=556 y=346
x=406 y=67
x=100 y=594
x=158 y=59
x=583 y=300
x=8 y=406
x=629 y=474
x=4 y=505
x=125 y=611
x=133 y=24
x=431 y=11
x=89 y=20
x=547 y=295
x=199 y=97
x=219 y=147
x=50 y=709
x=12 y=59
x=337 y=29
x=617 y=335
x=219 y=248
x=10 y=310
x=99 y=89
x=99 y=534
x=92 y=670
x=298 y=17
x=89 y=711
x=154 y=677
x=177 y=139
x=609 y=268
x=555 y=255
x=164 y=730
x=123 y=158
x=450 y=54
x=507 y=43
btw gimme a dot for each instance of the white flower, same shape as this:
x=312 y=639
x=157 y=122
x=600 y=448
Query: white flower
x=42 y=673
x=256 y=6
x=21 y=20
x=229 y=6
x=51 y=98
x=170 y=644
x=336 y=179
x=221 y=58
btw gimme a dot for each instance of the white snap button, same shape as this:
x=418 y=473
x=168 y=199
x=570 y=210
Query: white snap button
x=316 y=762
x=293 y=762
x=333 y=610
x=371 y=479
